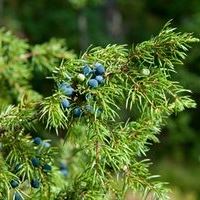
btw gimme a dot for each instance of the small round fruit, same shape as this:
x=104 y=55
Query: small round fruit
x=46 y=144
x=37 y=140
x=62 y=166
x=14 y=183
x=89 y=108
x=66 y=89
x=100 y=79
x=77 y=112
x=99 y=69
x=63 y=85
x=35 y=162
x=145 y=72
x=47 y=168
x=93 y=83
x=35 y=183
x=17 y=196
x=88 y=96
x=86 y=70
x=17 y=167
x=98 y=112
x=64 y=172
x=81 y=77
x=65 y=103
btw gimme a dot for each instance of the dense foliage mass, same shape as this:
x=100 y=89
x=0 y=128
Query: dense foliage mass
x=104 y=152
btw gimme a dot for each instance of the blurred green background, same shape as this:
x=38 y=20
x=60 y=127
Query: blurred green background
x=99 y=22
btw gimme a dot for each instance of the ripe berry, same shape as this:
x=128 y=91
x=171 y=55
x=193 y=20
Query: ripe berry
x=37 y=140
x=86 y=70
x=64 y=172
x=81 y=77
x=100 y=79
x=77 y=112
x=47 y=167
x=88 y=96
x=98 y=112
x=63 y=85
x=35 y=183
x=63 y=169
x=35 y=162
x=99 y=69
x=145 y=71
x=89 y=108
x=17 y=168
x=46 y=144
x=18 y=196
x=62 y=166
x=14 y=183
x=65 y=103
x=93 y=83
x=66 y=89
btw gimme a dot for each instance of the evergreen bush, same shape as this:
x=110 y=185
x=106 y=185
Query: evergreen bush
x=103 y=152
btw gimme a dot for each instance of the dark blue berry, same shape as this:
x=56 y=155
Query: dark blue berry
x=99 y=69
x=37 y=140
x=14 y=183
x=86 y=70
x=46 y=144
x=89 y=108
x=100 y=79
x=63 y=169
x=47 y=167
x=17 y=167
x=98 y=112
x=66 y=89
x=17 y=196
x=62 y=166
x=88 y=96
x=35 y=183
x=64 y=172
x=63 y=85
x=65 y=103
x=35 y=162
x=93 y=83
x=77 y=112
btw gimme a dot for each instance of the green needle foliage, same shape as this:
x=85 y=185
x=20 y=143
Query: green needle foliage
x=104 y=150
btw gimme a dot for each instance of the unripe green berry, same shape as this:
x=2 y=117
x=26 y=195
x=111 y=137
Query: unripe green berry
x=145 y=71
x=81 y=77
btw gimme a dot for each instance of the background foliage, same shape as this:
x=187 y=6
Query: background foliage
x=123 y=21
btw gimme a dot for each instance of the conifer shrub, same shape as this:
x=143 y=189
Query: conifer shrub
x=102 y=154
